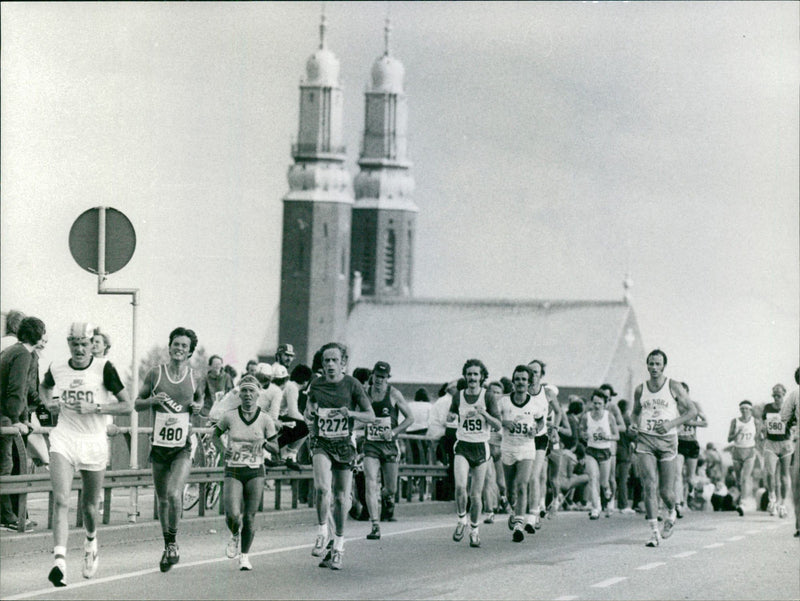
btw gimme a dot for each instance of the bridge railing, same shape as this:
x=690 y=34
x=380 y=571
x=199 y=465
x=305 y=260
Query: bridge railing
x=26 y=483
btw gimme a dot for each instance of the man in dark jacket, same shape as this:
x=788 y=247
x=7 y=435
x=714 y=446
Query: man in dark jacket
x=15 y=369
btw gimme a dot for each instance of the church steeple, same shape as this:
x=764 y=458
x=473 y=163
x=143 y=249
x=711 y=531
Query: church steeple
x=384 y=213
x=317 y=214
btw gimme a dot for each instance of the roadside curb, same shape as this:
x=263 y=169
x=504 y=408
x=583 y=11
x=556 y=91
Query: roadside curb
x=15 y=544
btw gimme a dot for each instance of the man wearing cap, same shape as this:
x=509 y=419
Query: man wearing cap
x=284 y=356
x=88 y=388
x=660 y=406
x=742 y=434
x=380 y=445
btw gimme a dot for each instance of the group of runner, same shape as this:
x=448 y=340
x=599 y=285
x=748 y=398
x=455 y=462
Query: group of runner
x=528 y=420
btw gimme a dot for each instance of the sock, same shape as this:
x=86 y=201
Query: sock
x=673 y=515
x=90 y=535
x=473 y=527
x=653 y=525
x=462 y=518
x=169 y=536
x=60 y=553
x=338 y=542
x=323 y=530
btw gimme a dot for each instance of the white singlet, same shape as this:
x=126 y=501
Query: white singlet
x=80 y=385
x=524 y=424
x=657 y=407
x=598 y=432
x=472 y=427
x=745 y=434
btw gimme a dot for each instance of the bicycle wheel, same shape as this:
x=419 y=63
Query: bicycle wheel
x=212 y=457
x=191 y=491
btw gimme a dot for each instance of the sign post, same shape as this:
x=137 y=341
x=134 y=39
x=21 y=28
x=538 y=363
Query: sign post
x=102 y=241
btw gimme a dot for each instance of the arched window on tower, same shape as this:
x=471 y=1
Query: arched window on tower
x=390 y=258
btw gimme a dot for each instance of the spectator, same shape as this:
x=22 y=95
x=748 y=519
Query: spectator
x=251 y=368
x=216 y=385
x=362 y=374
x=284 y=356
x=231 y=371
x=15 y=365
x=624 y=460
x=13 y=319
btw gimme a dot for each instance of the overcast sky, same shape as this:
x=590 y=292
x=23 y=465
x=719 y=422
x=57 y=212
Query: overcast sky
x=555 y=146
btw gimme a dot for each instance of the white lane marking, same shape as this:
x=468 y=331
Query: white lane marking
x=51 y=591
x=714 y=546
x=685 y=554
x=650 y=566
x=733 y=538
x=753 y=532
x=566 y=598
x=609 y=582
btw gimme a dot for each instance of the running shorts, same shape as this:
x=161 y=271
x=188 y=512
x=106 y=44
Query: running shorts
x=511 y=456
x=541 y=442
x=690 y=449
x=663 y=448
x=83 y=451
x=384 y=451
x=474 y=452
x=781 y=448
x=170 y=454
x=244 y=473
x=742 y=454
x=341 y=452
x=600 y=455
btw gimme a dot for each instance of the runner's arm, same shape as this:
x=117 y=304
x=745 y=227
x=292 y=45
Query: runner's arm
x=686 y=407
x=492 y=414
x=402 y=407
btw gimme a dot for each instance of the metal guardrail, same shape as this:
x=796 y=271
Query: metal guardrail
x=26 y=483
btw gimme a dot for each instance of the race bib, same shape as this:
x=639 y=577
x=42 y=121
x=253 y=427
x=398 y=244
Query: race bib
x=332 y=424
x=170 y=429
x=520 y=429
x=472 y=423
x=378 y=429
x=775 y=425
x=245 y=453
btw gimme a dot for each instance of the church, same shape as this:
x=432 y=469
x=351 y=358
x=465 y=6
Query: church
x=347 y=263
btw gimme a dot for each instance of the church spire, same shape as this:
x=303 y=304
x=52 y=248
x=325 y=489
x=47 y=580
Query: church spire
x=387 y=30
x=322 y=29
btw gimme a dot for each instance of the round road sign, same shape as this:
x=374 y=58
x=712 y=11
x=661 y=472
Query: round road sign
x=120 y=240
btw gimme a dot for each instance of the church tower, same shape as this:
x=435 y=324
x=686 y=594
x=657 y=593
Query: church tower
x=384 y=213
x=317 y=212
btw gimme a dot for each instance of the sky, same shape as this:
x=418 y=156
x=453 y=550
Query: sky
x=555 y=147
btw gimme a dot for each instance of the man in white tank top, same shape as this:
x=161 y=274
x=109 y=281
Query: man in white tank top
x=660 y=406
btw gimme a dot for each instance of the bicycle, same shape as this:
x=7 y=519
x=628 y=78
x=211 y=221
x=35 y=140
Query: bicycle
x=208 y=456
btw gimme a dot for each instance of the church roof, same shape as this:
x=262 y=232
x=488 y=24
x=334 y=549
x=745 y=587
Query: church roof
x=428 y=340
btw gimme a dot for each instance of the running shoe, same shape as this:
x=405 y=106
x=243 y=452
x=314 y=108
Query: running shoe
x=782 y=511
x=542 y=512
x=679 y=510
x=594 y=515
x=474 y=539
x=375 y=533
x=459 y=532
x=89 y=558
x=739 y=510
x=326 y=561
x=518 y=535
x=504 y=506
x=390 y=510
x=232 y=550
x=771 y=508
x=538 y=523
x=244 y=563
x=666 y=531
x=173 y=556
x=655 y=539
x=627 y=511
x=530 y=528
x=336 y=559
x=511 y=519
x=489 y=519
x=58 y=573
x=164 y=564
x=319 y=545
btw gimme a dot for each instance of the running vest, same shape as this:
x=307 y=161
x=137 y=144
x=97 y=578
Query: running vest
x=745 y=434
x=657 y=407
x=84 y=384
x=171 y=418
x=246 y=438
x=776 y=427
x=385 y=417
x=540 y=408
x=518 y=437
x=472 y=427
x=598 y=431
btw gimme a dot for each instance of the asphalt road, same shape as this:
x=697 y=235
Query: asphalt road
x=710 y=556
